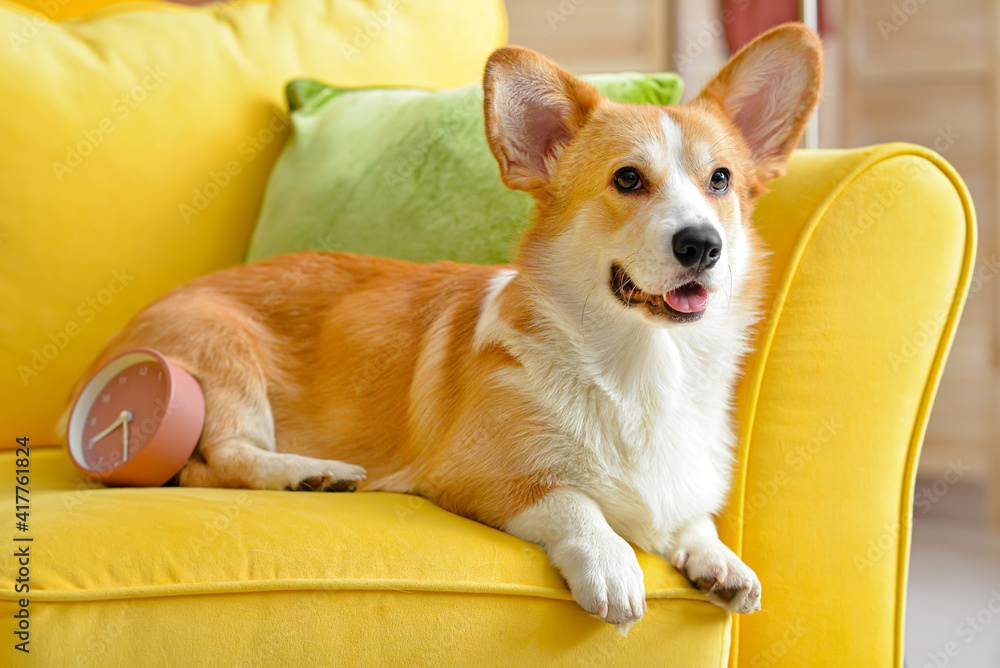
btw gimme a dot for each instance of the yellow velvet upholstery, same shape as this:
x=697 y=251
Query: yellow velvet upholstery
x=280 y=578
x=871 y=254
x=872 y=250
x=137 y=143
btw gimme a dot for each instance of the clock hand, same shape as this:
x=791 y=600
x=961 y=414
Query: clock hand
x=111 y=427
x=126 y=417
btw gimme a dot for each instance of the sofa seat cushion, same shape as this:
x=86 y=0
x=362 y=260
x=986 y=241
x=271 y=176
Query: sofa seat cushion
x=289 y=577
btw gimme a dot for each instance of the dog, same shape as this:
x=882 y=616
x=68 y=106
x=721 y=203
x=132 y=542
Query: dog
x=579 y=398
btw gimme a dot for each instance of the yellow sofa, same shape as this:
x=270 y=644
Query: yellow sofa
x=871 y=256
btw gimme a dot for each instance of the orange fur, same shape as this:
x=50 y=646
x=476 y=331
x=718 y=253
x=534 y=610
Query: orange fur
x=342 y=343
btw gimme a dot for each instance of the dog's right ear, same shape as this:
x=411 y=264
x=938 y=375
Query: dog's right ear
x=769 y=90
x=533 y=110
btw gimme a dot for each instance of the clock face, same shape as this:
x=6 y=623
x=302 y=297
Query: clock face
x=123 y=415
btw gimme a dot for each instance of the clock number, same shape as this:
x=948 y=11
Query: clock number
x=93 y=421
x=159 y=375
x=122 y=379
x=143 y=370
x=105 y=397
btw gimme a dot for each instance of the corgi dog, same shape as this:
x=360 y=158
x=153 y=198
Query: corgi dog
x=579 y=398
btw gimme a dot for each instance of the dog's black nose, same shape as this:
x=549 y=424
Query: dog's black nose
x=698 y=247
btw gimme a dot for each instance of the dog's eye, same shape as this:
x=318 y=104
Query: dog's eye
x=719 y=182
x=628 y=180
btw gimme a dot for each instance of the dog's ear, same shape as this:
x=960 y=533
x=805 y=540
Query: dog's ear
x=769 y=90
x=533 y=109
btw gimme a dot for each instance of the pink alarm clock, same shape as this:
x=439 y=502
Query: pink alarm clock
x=137 y=421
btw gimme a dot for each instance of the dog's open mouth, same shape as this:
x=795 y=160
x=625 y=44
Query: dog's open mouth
x=686 y=303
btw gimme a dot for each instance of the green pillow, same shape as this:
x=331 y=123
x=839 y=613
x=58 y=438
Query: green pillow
x=403 y=173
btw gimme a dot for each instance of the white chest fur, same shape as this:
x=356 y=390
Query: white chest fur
x=640 y=416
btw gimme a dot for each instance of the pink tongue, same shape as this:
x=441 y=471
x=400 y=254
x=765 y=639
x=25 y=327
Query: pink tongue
x=688 y=301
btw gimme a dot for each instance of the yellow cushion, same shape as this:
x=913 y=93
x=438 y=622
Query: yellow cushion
x=136 y=146
x=233 y=577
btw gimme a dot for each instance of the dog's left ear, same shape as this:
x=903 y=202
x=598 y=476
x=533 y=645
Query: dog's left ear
x=769 y=90
x=533 y=110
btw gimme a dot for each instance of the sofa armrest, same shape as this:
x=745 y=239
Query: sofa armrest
x=871 y=257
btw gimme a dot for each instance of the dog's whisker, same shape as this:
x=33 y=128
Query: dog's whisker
x=729 y=294
x=583 y=314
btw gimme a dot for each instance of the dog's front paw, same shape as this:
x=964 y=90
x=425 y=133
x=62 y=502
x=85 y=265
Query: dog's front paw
x=320 y=475
x=329 y=482
x=725 y=580
x=605 y=579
